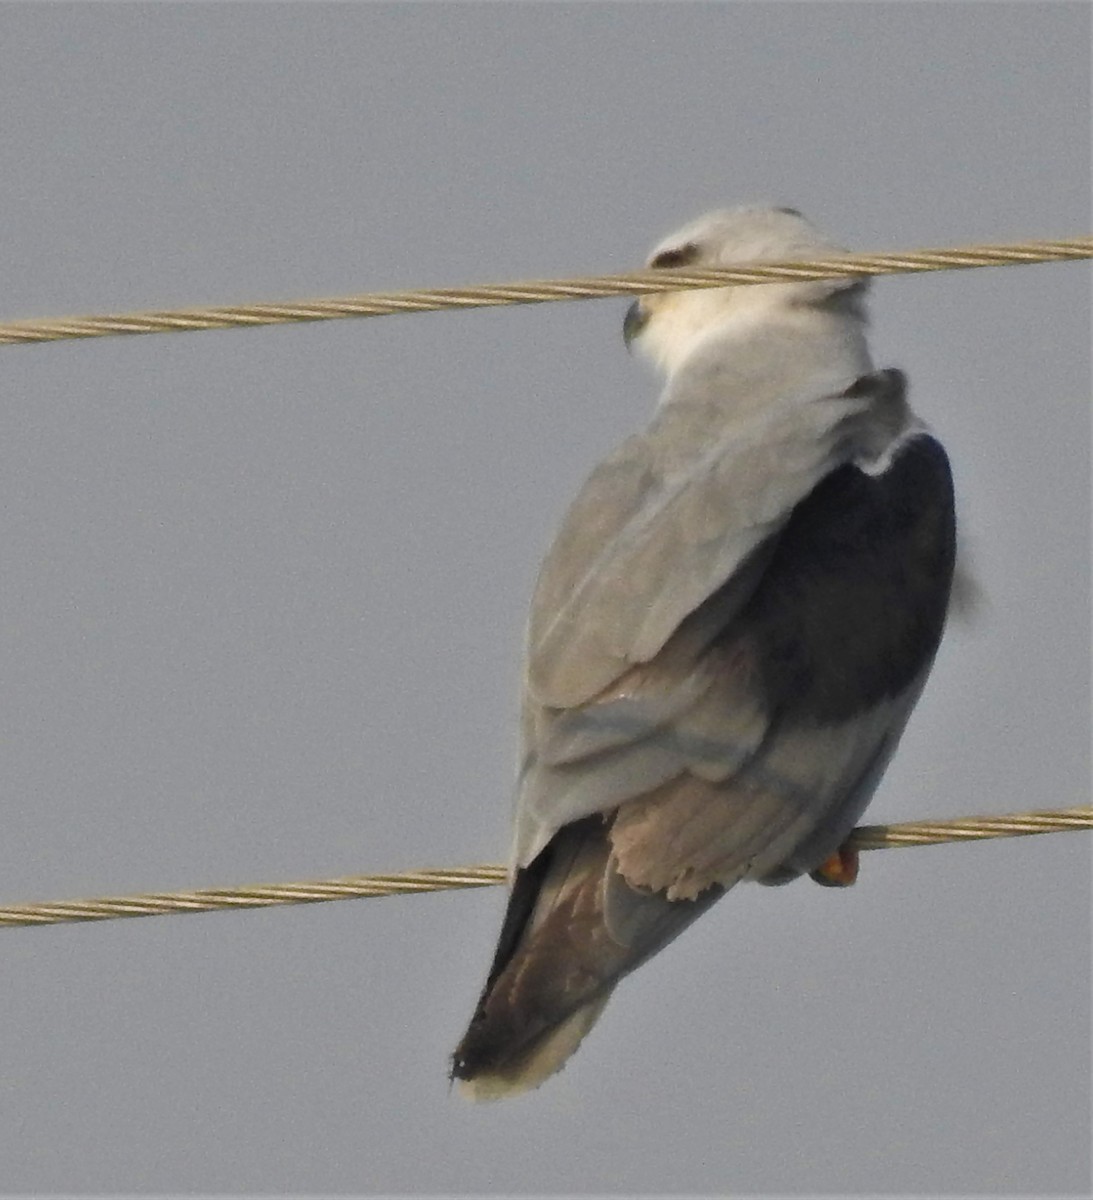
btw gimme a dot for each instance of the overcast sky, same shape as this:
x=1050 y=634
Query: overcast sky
x=263 y=592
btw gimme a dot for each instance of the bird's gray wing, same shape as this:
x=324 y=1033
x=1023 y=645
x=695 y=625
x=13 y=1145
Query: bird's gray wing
x=837 y=638
x=667 y=519
x=658 y=555
x=757 y=723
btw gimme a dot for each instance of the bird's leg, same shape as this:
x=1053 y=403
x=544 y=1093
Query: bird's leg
x=838 y=870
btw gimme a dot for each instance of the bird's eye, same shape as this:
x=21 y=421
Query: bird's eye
x=681 y=256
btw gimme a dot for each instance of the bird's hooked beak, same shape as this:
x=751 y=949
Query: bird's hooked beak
x=634 y=323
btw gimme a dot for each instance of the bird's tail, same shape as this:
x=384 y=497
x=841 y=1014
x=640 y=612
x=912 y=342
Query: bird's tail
x=573 y=929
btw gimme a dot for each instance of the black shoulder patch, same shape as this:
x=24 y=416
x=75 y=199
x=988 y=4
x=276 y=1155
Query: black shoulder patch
x=852 y=605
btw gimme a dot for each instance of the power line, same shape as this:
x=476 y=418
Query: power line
x=866 y=837
x=635 y=283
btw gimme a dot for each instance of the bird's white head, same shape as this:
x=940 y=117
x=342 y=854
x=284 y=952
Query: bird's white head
x=670 y=326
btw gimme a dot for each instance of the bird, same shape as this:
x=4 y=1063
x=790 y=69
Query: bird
x=725 y=642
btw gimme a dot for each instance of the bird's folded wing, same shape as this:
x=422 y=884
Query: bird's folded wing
x=665 y=521
x=762 y=714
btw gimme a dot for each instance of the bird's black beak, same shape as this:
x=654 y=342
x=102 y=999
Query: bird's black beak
x=634 y=323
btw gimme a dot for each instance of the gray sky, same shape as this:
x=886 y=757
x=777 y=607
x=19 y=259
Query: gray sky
x=263 y=592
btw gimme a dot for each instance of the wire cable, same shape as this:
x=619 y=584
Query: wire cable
x=635 y=283
x=865 y=837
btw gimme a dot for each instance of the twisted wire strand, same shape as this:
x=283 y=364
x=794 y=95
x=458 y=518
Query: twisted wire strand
x=866 y=837
x=635 y=283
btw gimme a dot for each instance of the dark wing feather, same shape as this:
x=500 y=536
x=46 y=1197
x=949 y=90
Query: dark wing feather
x=853 y=600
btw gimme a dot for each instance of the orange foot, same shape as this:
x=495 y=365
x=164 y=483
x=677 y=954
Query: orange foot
x=840 y=870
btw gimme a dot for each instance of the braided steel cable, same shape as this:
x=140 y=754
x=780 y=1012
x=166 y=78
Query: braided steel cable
x=635 y=283
x=866 y=837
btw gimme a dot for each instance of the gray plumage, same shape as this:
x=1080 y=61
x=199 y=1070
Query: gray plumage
x=725 y=642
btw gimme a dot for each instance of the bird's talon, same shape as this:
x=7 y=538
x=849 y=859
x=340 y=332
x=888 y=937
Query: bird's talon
x=839 y=870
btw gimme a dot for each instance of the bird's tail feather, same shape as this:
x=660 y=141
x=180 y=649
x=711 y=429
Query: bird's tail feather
x=562 y=950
